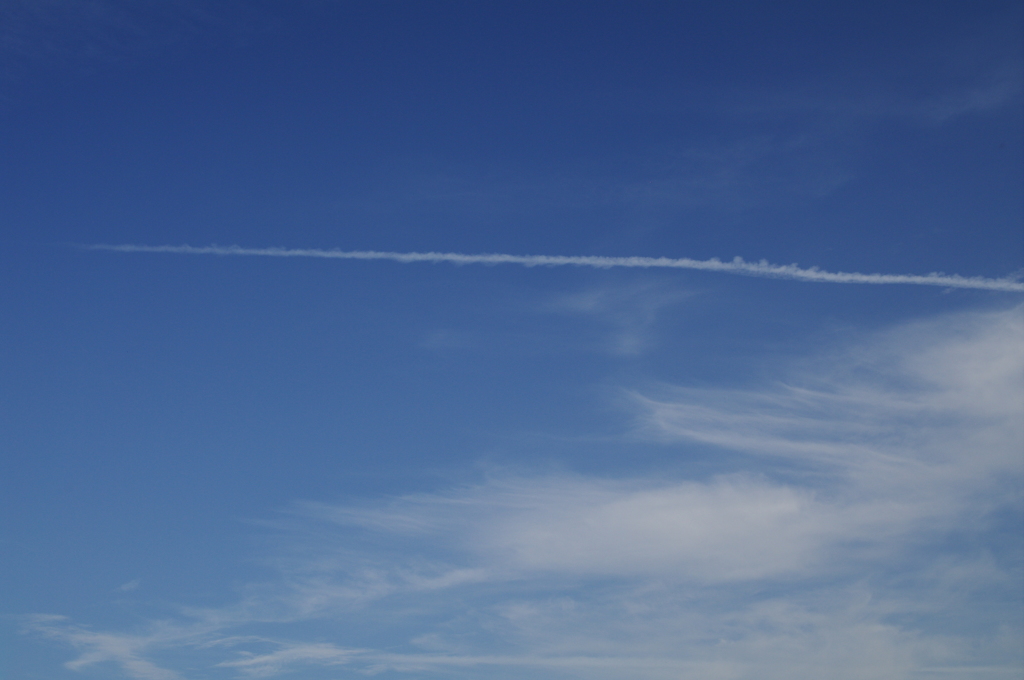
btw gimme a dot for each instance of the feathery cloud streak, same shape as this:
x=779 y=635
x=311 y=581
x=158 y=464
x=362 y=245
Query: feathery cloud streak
x=762 y=269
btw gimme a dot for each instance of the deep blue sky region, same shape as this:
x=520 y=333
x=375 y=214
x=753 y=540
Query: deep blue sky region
x=221 y=462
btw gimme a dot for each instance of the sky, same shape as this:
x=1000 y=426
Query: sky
x=406 y=340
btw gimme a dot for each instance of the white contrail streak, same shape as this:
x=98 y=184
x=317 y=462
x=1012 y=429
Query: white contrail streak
x=737 y=266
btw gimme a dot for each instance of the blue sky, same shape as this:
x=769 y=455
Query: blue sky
x=231 y=464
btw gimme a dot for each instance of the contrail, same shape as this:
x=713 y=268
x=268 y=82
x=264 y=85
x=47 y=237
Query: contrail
x=737 y=266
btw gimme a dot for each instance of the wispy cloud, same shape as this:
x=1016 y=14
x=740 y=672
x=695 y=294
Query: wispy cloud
x=127 y=651
x=761 y=269
x=834 y=547
x=267 y=665
x=630 y=311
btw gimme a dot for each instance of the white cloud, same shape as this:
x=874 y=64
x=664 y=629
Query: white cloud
x=838 y=550
x=933 y=407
